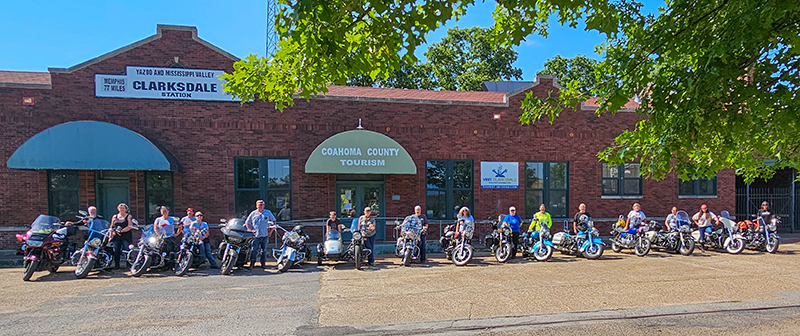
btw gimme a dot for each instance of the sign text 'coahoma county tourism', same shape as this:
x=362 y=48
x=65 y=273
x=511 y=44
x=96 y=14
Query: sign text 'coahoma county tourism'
x=356 y=151
x=360 y=152
x=163 y=83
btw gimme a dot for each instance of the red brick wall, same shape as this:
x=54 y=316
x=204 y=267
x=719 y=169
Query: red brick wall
x=205 y=137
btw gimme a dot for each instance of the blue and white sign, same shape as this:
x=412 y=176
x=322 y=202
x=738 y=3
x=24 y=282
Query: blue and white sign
x=163 y=83
x=500 y=175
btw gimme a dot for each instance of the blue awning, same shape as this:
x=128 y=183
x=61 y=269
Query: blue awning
x=92 y=145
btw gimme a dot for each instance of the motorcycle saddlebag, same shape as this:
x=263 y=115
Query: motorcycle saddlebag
x=489 y=241
x=558 y=237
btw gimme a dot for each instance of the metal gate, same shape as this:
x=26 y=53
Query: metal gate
x=781 y=202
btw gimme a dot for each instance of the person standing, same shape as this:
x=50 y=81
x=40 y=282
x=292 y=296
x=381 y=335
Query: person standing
x=577 y=219
x=200 y=225
x=260 y=221
x=704 y=219
x=513 y=220
x=540 y=218
x=122 y=223
x=423 y=256
x=367 y=222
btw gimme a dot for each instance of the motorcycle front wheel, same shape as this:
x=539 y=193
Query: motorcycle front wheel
x=593 y=251
x=184 y=261
x=642 y=247
x=284 y=265
x=30 y=267
x=357 y=256
x=503 y=253
x=772 y=247
x=407 y=257
x=687 y=247
x=462 y=254
x=83 y=266
x=140 y=265
x=543 y=252
x=228 y=261
x=735 y=246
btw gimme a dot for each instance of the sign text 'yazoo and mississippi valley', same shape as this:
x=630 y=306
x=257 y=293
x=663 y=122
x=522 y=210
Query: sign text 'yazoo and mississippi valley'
x=163 y=83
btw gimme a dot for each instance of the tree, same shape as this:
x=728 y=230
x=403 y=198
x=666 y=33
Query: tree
x=460 y=62
x=718 y=79
x=579 y=68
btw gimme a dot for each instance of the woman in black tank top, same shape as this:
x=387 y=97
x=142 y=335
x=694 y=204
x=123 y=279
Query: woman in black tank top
x=122 y=222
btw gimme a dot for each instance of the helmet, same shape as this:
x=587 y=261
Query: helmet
x=765 y=203
x=298 y=229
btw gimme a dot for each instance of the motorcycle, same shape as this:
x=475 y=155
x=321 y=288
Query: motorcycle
x=191 y=250
x=332 y=249
x=634 y=238
x=676 y=241
x=407 y=246
x=46 y=245
x=235 y=248
x=537 y=244
x=725 y=237
x=294 y=250
x=457 y=246
x=763 y=236
x=93 y=255
x=499 y=241
x=586 y=241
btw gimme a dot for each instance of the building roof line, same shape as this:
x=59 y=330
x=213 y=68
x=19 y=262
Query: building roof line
x=159 y=33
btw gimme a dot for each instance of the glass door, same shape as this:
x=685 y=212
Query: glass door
x=353 y=197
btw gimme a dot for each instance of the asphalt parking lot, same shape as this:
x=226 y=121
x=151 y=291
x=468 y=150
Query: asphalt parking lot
x=706 y=293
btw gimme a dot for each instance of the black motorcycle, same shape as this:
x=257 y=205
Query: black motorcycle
x=46 y=245
x=675 y=241
x=763 y=236
x=190 y=254
x=235 y=248
x=499 y=241
x=93 y=255
x=457 y=246
x=148 y=252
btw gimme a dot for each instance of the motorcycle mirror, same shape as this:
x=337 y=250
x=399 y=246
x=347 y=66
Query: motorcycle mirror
x=83 y=213
x=135 y=222
x=223 y=220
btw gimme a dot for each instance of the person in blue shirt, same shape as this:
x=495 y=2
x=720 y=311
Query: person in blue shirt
x=200 y=225
x=513 y=221
x=260 y=221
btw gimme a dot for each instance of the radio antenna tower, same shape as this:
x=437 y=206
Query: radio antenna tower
x=272 y=33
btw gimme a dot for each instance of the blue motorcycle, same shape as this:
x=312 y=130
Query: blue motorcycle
x=537 y=244
x=586 y=242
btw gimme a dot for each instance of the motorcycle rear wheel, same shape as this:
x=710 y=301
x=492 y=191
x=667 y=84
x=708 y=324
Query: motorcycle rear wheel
x=140 y=265
x=735 y=246
x=228 y=261
x=184 y=261
x=503 y=253
x=687 y=247
x=543 y=252
x=30 y=267
x=83 y=267
x=356 y=256
x=284 y=265
x=642 y=247
x=772 y=247
x=616 y=247
x=462 y=255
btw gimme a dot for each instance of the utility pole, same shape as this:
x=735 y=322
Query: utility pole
x=272 y=33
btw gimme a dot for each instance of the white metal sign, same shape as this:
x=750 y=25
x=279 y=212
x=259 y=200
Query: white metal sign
x=163 y=83
x=500 y=175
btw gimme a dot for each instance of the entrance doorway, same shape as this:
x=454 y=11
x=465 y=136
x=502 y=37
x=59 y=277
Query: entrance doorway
x=112 y=189
x=357 y=195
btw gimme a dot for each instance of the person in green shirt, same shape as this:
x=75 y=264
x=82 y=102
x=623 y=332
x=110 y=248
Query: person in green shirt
x=540 y=218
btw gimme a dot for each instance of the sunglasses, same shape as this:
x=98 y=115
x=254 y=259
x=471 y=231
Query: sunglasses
x=198 y=215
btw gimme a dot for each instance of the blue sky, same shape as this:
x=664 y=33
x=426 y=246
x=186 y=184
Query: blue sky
x=35 y=34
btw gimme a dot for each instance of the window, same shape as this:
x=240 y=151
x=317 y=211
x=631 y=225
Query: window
x=158 y=190
x=449 y=186
x=269 y=179
x=622 y=180
x=63 y=194
x=547 y=183
x=699 y=187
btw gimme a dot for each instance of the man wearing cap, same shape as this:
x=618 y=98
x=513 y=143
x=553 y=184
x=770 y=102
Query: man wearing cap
x=704 y=219
x=513 y=221
x=367 y=223
x=260 y=221
x=187 y=220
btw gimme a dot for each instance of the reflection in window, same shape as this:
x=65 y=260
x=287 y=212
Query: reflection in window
x=621 y=180
x=63 y=193
x=449 y=186
x=699 y=187
x=267 y=179
x=158 y=190
x=547 y=183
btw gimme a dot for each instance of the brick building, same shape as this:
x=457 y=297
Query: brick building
x=99 y=134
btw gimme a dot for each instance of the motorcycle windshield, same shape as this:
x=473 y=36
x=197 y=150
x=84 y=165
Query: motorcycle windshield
x=411 y=223
x=333 y=235
x=235 y=227
x=44 y=224
x=96 y=227
x=683 y=218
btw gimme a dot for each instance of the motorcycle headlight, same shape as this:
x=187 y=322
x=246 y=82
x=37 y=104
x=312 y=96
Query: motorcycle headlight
x=772 y=227
x=357 y=235
x=95 y=242
x=293 y=237
x=153 y=242
x=595 y=232
x=410 y=235
x=35 y=243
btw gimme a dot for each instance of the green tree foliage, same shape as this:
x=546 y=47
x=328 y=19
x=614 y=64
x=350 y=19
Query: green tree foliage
x=718 y=79
x=579 y=68
x=461 y=61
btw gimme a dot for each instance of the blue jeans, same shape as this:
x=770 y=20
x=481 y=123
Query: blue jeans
x=119 y=244
x=205 y=253
x=422 y=254
x=370 y=244
x=703 y=231
x=259 y=243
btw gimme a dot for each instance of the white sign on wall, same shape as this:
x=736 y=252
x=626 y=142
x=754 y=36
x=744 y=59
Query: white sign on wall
x=163 y=83
x=500 y=175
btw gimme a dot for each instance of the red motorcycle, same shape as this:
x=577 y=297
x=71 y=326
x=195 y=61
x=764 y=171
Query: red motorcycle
x=46 y=245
